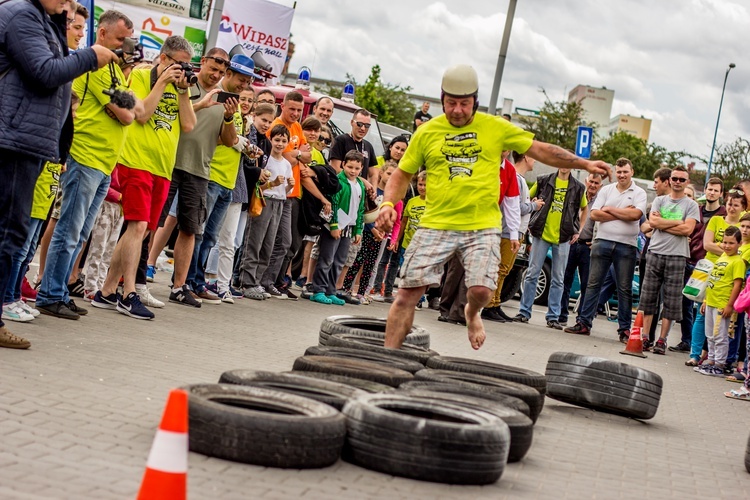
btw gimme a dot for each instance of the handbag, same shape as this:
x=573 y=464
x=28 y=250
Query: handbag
x=742 y=304
x=257 y=202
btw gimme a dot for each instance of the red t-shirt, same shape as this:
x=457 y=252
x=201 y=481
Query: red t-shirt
x=508 y=181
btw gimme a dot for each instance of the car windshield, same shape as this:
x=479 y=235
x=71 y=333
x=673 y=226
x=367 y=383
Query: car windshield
x=342 y=119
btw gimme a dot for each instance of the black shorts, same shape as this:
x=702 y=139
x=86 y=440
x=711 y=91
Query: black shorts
x=191 y=201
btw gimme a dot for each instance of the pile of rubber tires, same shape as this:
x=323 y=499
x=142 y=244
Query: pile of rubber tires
x=408 y=412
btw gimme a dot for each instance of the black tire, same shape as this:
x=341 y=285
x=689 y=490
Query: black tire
x=330 y=393
x=357 y=383
x=529 y=396
x=603 y=385
x=521 y=427
x=511 y=285
x=543 y=284
x=419 y=438
x=478 y=391
x=375 y=357
x=356 y=368
x=365 y=326
x=263 y=426
x=407 y=351
x=504 y=372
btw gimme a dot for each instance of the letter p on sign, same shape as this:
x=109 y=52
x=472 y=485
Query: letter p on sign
x=583 y=142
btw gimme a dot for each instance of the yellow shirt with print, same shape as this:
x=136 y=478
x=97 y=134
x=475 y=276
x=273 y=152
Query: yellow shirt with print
x=45 y=190
x=720 y=283
x=551 y=233
x=717 y=225
x=413 y=212
x=226 y=160
x=99 y=138
x=153 y=147
x=745 y=252
x=463 y=169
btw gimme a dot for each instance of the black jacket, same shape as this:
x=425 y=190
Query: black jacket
x=545 y=190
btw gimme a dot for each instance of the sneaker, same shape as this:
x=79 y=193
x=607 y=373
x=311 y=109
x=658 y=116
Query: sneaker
x=300 y=283
x=14 y=312
x=435 y=304
x=681 y=347
x=255 y=293
x=150 y=273
x=290 y=294
x=378 y=298
x=660 y=347
x=195 y=295
x=75 y=289
x=133 y=307
x=236 y=294
x=28 y=293
x=388 y=298
x=555 y=325
x=88 y=295
x=274 y=292
x=337 y=301
x=577 y=329
x=286 y=282
x=23 y=305
x=208 y=296
x=59 y=310
x=713 y=371
x=77 y=309
x=624 y=336
x=226 y=297
x=563 y=321
x=105 y=301
x=702 y=367
x=147 y=299
x=184 y=296
x=490 y=313
x=520 y=318
x=321 y=298
x=11 y=341
x=446 y=319
x=647 y=344
x=307 y=291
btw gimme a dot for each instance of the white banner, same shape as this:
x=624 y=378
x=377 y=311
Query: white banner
x=197 y=9
x=257 y=25
x=152 y=27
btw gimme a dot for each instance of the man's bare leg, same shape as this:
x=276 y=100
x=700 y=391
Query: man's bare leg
x=183 y=254
x=401 y=316
x=306 y=259
x=43 y=247
x=125 y=259
x=666 y=325
x=311 y=269
x=159 y=241
x=477 y=297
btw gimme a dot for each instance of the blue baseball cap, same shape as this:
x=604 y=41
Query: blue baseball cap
x=243 y=65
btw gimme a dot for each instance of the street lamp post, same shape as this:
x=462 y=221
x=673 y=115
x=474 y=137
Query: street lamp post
x=716 y=131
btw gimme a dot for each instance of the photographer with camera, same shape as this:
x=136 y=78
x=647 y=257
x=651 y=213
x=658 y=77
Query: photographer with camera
x=146 y=163
x=100 y=123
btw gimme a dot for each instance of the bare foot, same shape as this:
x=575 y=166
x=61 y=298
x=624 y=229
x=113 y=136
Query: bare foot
x=476 y=329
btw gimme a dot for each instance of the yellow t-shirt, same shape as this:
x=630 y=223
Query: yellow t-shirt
x=45 y=190
x=720 y=283
x=551 y=233
x=226 y=160
x=745 y=252
x=463 y=169
x=413 y=212
x=99 y=138
x=717 y=225
x=153 y=147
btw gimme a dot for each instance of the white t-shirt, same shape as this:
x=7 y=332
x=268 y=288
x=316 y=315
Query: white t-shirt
x=277 y=168
x=619 y=230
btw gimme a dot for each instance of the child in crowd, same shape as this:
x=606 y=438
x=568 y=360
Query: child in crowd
x=104 y=237
x=347 y=217
x=389 y=247
x=745 y=231
x=261 y=230
x=724 y=286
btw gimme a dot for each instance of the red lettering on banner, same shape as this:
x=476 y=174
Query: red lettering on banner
x=243 y=31
x=262 y=37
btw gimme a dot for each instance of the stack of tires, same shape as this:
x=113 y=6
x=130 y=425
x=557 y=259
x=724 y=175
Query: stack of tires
x=408 y=412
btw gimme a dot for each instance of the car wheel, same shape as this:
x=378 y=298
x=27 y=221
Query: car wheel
x=543 y=284
x=511 y=285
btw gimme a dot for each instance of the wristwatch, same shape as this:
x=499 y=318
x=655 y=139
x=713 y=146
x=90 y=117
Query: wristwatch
x=181 y=91
x=299 y=155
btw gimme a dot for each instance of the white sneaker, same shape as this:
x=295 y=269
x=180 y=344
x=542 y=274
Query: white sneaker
x=378 y=298
x=226 y=297
x=28 y=308
x=147 y=299
x=14 y=312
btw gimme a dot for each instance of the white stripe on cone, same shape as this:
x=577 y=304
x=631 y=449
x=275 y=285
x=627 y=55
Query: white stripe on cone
x=169 y=453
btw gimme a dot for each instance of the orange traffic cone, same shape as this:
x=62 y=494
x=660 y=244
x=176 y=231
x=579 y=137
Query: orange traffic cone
x=166 y=469
x=635 y=343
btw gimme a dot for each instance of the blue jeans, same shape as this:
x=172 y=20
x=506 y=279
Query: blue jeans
x=539 y=249
x=21 y=262
x=606 y=253
x=698 y=335
x=218 y=199
x=579 y=260
x=19 y=173
x=84 y=190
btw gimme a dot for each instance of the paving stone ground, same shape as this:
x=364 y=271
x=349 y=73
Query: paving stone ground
x=79 y=410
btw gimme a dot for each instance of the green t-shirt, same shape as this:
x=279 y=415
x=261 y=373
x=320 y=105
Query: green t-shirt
x=226 y=160
x=720 y=283
x=45 y=190
x=551 y=233
x=152 y=147
x=413 y=212
x=717 y=225
x=745 y=252
x=463 y=169
x=99 y=138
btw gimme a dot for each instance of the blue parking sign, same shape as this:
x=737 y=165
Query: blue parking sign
x=583 y=141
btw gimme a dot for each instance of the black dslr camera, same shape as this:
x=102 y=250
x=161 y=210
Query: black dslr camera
x=131 y=51
x=190 y=75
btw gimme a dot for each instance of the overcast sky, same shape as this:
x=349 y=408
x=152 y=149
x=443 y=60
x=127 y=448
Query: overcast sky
x=665 y=59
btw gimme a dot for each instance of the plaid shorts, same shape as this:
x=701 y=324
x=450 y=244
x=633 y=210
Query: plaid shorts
x=430 y=249
x=665 y=273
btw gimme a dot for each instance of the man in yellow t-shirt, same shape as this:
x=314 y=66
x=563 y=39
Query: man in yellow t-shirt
x=145 y=167
x=100 y=131
x=461 y=151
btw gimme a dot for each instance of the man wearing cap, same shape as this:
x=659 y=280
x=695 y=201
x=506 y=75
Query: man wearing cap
x=461 y=151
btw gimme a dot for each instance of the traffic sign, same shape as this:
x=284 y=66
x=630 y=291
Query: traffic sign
x=583 y=141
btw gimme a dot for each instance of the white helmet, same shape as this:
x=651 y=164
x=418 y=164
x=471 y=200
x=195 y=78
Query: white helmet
x=460 y=81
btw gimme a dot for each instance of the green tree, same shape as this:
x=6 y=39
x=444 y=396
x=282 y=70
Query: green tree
x=557 y=123
x=646 y=157
x=731 y=161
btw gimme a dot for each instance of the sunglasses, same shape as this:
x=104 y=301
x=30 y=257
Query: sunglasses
x=363 y=125
x=679 y=179
x=325 y=140
x=736 y=191
x=219 y=60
